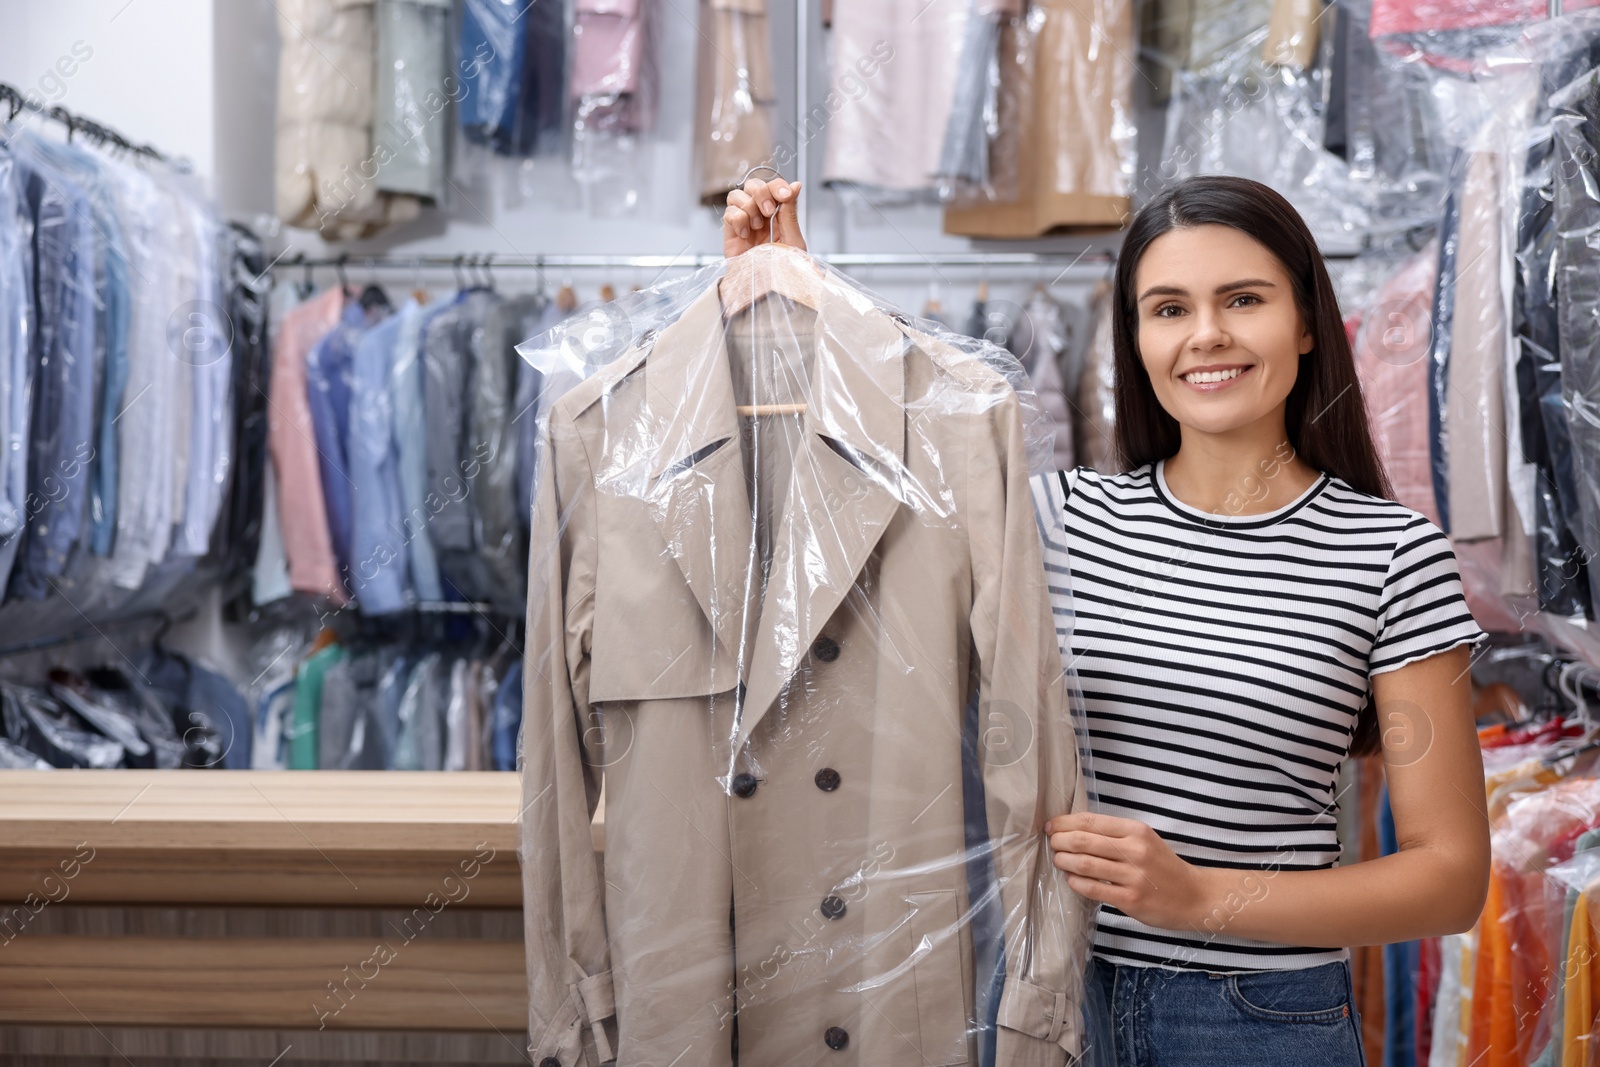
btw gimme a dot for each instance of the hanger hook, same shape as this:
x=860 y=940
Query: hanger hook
x=772 y=229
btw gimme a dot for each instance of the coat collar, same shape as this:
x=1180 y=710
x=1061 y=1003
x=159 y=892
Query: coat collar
x=856 y=394
x=848 y=482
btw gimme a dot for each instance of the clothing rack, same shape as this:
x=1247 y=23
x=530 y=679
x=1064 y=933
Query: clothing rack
x=101 y=135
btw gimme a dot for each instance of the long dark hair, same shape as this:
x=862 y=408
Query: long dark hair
x=1326 y=417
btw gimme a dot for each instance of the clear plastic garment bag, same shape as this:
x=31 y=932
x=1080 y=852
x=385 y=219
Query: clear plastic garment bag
x=787 y=612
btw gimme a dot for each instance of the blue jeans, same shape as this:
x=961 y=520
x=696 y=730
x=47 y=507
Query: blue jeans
x=1148 y=1016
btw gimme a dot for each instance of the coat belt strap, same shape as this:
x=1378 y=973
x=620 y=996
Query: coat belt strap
x=1033 y=1010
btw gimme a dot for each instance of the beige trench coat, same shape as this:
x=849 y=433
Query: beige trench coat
x=792 y=863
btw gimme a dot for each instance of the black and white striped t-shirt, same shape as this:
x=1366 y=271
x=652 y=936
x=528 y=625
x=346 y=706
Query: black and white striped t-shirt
x=1223 y=661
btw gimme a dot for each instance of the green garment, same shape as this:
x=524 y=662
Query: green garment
x=307 y=705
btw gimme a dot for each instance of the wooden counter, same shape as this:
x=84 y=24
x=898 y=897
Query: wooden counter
x=256 y=901
x=329 y=838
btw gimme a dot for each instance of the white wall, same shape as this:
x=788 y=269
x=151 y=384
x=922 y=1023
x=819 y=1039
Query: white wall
x=147 y=71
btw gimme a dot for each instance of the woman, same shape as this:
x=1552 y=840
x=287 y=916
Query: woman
x=1248 y=608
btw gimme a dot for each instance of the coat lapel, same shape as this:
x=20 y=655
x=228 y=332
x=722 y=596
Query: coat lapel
x=847 y=485
x=695 y=488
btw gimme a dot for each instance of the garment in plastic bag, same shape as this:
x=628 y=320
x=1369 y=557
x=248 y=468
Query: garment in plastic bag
x=893 y=81
x=136 y=701
x=146 y=516
x=216 y=716
x=450 y=350
x=760 y=632
x=237 y=538
x=326 y=158
x=974 y=125
x=16 y=332
x=1577 y=219
x=35 y=722
x=205 y=344
x=1239 y=114
x=612 y=82
x=1519 y=81
x=499 y=531
x=349 y=733
x=1042 y=340
x=16 y=758
x=411 y=119
x=63 y=351
x=542 y=316
x=1474 y=419
x=513 y=70
x=72 y=692
x=1063 y=153
x=1391 y=346
x=735 y=103
x=1094 y=440
x=379 y=531
x=1543 y=860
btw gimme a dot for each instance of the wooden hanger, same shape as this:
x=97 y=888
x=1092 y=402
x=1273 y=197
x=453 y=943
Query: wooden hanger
x=769 y=269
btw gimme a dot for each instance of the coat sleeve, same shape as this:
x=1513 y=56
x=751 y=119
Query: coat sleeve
x=1028 y=752
x=570 y=1003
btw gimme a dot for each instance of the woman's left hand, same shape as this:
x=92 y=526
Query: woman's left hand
x=1124 y=863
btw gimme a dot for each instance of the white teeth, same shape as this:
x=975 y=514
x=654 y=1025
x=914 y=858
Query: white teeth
x=1203 y=377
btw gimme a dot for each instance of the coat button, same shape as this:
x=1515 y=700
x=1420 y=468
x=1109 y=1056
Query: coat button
x=744 y=785
x=833 y=907
x=836 y=1037
x=827 y=779
x=826 y=649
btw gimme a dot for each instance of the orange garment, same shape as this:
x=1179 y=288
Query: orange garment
x=1532 y=916
x=1492 y=1039
x=1489 y=1007
x=1367 y=960
x=1578 y=1038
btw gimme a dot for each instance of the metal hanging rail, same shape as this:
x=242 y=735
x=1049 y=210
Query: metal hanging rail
x=17 y=102
x=1097 y=261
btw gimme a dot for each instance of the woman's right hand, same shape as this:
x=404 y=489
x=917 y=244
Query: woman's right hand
x=759 y=209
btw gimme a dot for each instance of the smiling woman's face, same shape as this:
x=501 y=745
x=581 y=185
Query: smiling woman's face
x=1218 y=329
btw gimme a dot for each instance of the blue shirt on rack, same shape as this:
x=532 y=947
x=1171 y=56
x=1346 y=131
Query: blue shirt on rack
x=378 y=570
x=328 y=373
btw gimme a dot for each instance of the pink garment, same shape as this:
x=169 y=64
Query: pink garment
x=302 y=517
x=1391 y=339
x=607 y=43
x=1391 y=349
x=1413 y=16
x=891 y=91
